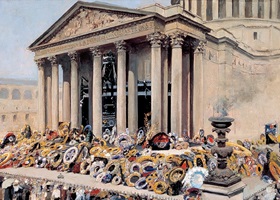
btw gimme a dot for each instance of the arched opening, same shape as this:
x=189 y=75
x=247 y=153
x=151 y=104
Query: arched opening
x=15 y=94
x=4 y=93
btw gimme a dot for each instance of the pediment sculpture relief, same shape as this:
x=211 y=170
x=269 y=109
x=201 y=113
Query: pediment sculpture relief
x=87 y=20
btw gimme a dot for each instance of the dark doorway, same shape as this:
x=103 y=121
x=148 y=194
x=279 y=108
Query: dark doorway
x=144 y=107
x=85 y=111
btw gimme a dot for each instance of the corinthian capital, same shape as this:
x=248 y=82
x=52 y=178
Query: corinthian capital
x=177 y=39
x=53 y=60
x=155 y=39
x=198 y=45
x=121 y=45
x=95 y=51
x=73 y=55
x=40 y=62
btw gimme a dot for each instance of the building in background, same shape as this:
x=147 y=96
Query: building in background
x=194 y=59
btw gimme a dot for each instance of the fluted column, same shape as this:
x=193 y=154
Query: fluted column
x=215 y=10
x=228 y=8
x=48 y=74
x=198 y=87
x=74 y=90
x=176 y=81
x=97 y=91
x=121 y=86
x=266 y=9
x=203 y=9
x=186 y=4
x=255 y=9
x=274 y=9
x=41 y=95
x=133 y=91
x=156 y=71
x=66 y=99
x=194 y=7
x=164 y=62
x=55 y=94
x=241 y=8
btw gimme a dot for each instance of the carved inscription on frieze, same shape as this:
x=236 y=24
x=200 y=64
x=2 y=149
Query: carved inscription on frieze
x=87 y=20
x=102 y=36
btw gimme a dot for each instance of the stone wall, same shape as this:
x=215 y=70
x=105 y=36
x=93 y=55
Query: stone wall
x=18 y=106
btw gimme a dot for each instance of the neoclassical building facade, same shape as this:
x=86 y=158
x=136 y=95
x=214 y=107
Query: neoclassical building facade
x=196 y=58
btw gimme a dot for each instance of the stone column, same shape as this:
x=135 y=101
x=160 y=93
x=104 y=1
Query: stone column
x=48 y=74
x=133 y=91
x=164 y=97
x=215 y=9
x=74 y=90
x=41 y=96
x=90 y=95
x=228 y=8
x=266 y=9
x=274 y=9
x=55 y=94
x=121 y=86
x=255 y=9
x=156 y=84
x=97 y=92
x=194 y=7
x=186 y=3
x=186 y=91
x=66 y=99
x=241 y=8
x=203 y=10
x=198 y=88
x=176 y=81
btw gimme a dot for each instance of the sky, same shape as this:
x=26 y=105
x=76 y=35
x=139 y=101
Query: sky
x=23 y=21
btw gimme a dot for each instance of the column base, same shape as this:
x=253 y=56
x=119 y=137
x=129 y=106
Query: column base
x=233 y=192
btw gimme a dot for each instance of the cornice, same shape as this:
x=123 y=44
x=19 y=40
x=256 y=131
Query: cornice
x=265 y=56
x=187 y=21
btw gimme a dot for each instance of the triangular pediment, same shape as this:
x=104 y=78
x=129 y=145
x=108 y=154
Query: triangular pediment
x=84 y=18
x=88 y=20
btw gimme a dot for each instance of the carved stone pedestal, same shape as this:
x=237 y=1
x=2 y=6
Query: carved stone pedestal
x=233 y=192
x=222 y=183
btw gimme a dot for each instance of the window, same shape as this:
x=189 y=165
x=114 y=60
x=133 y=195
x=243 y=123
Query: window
x=15 y=94
x=270 y=9
x=27 y=94
x=26 y=116
x=248 y=8
x=278 y=12
x=14 y=118
x=261 y=9
x=3 y=118
x=255 y=35
x=222 y=9
x=209 y=15
x=4 y=93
